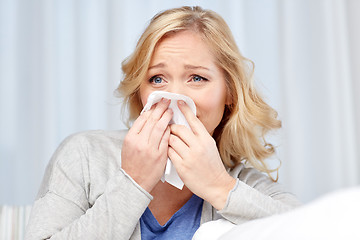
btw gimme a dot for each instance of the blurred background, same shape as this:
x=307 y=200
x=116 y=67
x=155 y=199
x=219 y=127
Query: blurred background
x=60 y=61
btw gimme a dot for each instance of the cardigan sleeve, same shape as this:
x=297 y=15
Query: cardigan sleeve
x=63 y=211
x=255 y=195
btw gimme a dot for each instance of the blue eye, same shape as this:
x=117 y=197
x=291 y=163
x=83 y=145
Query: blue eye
x=197 y=78
x=156 y=79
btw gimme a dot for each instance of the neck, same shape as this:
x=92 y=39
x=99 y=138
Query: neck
x=166 y=192
x=167 y=200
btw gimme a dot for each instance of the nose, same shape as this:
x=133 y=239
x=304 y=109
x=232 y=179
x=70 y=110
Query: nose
x=176 y=87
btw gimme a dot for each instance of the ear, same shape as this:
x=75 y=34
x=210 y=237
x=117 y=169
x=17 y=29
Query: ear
x=229 y=99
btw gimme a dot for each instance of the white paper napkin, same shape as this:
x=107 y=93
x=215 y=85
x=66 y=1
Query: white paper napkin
x=170 y=174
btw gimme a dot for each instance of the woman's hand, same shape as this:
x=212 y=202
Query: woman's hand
x=197 y=160
x=145 y=148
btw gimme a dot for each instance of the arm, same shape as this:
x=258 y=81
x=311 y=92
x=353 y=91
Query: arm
x=254 y=196
x=242 y=195
x=68 y=208
x=62 y=211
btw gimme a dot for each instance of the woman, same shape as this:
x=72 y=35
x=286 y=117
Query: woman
x=106 y=185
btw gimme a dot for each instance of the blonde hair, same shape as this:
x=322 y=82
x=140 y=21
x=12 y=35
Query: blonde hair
x=240 y=134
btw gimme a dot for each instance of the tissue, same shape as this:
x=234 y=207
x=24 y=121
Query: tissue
x=170 y=174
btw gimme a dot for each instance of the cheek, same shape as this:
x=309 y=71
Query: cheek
x=210 y=109
x=144 y=94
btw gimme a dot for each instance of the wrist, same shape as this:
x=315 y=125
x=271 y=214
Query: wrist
x=146 y=192
x=139 y=179
x=221 y=191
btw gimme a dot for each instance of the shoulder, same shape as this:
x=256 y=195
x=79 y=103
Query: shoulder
x=91 y=148
x=261 y=182
x=88 y=141
x=84 y=150
x=255 y=179
x=95 y=137
x=82 y=153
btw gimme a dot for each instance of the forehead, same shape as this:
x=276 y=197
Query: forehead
x=184 y=43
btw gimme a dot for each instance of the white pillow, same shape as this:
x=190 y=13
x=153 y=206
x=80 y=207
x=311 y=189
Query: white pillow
x=335 y=216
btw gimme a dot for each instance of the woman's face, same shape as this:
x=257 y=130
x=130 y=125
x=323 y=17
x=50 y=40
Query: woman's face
x=182 y=63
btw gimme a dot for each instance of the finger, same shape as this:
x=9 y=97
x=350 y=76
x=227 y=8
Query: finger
x=184 y=133
x=194 y=123
x=179 y=146
x=160 y=127
x=155 y=116
x=140 y=121
x=164 y=143
x=175 y=159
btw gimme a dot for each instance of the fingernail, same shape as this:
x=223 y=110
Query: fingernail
x=165 y=100
x=181 y=102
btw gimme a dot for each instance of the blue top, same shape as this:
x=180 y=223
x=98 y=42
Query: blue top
x=182 y=225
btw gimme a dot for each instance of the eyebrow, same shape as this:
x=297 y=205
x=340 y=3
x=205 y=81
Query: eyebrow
x=196 y=67
x=160 y=65
x=188 y=66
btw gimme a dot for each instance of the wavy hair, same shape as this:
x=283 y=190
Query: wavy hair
x=246 y=121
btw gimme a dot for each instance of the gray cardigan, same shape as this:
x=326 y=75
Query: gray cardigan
x=86 y=195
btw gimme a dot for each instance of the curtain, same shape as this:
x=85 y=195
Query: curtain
x=320 y=94
x=60 y=61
